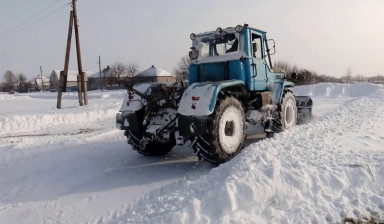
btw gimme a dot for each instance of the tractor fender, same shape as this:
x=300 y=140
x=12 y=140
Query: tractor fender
x=200 y=98
x=277 y=89
x=137 y=102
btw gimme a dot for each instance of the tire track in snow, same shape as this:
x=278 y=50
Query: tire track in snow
x=305 y=174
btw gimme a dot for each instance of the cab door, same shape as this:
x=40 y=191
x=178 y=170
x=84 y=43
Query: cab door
x=258 y=65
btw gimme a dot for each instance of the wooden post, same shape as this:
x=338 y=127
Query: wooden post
x=79 y=64
x=63 y=76
x=79 y=90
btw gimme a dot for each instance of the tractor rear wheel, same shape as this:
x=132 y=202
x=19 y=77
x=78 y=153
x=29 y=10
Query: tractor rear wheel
x=152 y=148
x=285 y=116
x=226 y=136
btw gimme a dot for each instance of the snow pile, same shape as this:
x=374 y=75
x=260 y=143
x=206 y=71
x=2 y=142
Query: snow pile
x=50 y=120
x=110 y=94
x=320 y=172
x=51 y=123
x=16 y=96
x=73 y=166
x=338 y=90
x=154 y=72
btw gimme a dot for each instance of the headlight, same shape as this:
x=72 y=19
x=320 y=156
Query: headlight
x=192 y=36
x=239 y=28
x=219 y=30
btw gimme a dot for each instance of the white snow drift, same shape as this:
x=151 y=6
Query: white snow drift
x=73 y=166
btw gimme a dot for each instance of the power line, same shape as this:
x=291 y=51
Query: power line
x=24 y=6
x=45 y=26
x=29 y=24
x=21 y=22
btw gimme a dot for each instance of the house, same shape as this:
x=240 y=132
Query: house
x=71 y=80
x=40 y=83
x=154 y=74
x=97 y=81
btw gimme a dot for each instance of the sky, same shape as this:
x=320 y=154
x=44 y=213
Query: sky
x=327 y=36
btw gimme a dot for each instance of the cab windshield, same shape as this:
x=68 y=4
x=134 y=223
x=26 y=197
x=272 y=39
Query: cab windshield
x=217 y=44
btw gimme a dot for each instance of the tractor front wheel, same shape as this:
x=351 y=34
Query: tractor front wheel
x=285 y=116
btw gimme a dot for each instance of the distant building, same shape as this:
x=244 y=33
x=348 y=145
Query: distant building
x=71 y=80
x=96 y=80
x=39 y=83
x=154 y=74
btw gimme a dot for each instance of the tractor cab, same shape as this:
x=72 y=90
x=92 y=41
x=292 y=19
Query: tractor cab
x=235 y=53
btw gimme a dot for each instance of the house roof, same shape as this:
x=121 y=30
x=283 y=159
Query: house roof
x=72 y=75
x=96 y=75
x=37 y=80
x=154 y=72
x=105 y=73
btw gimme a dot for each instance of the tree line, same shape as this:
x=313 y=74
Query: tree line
x=18 y=82
x=112 y=75
x=307 y=77
x=118 y=74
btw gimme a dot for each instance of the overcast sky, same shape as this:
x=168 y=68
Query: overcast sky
x=327 y=36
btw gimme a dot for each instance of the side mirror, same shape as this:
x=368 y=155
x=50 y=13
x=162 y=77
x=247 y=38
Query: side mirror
x=193 y=54
x=273 y=47
x=293 y=76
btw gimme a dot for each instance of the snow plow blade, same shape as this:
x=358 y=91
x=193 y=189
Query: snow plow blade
x=304 y=108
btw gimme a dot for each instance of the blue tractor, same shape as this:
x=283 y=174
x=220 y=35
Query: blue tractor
x=232 y=84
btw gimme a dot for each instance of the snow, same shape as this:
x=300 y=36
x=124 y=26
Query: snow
x=230 y=142
x=73 y=166
x=154 y=71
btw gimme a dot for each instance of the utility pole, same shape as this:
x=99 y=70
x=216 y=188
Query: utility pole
x=41 y=75
x=101 y=81
x=64 y=74
x=79 y=65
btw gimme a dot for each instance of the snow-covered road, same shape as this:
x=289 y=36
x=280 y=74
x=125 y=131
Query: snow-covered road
x=73 y=166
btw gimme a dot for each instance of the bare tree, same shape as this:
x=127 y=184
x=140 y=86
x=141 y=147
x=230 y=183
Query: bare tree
x=10 y=79
x=304 y=76
x=132 y=69
x=116 y=71
x=181 y=70
x=288 y=68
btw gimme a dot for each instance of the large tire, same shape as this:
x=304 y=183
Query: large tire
x=226 y=135
x=153 y=148
x=285 y=116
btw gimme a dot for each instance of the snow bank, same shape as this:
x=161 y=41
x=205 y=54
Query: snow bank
x=320 y=172
x=311 y=173
x=338 y=90
x=96 y=94
x=48 y=119
x=34 y=123
x=16 y=96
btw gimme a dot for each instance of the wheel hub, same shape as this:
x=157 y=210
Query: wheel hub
x=229 y=128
